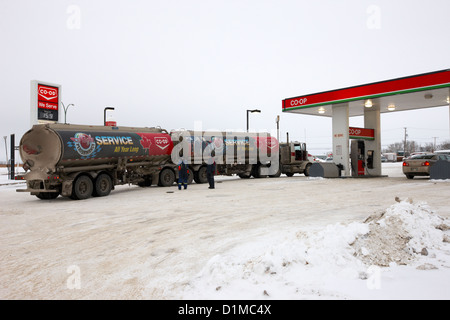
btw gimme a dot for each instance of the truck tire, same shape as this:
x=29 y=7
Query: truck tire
x=289 y=174
x=190 y=176
x=147 y=181
x=166 y=178
x=47 y=195
x=244 y=175
x=103 y=185
x=82 y=188
x=200 y=175
x=308 y=166
x=256 y=172
x=277 y=174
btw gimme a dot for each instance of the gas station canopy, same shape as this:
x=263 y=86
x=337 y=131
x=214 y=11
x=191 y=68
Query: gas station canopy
x=370 y=100
x=414 y=92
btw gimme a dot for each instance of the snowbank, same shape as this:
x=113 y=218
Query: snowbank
x=327 y=263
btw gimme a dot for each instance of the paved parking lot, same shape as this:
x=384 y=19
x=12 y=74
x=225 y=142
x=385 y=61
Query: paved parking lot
x=148 y=242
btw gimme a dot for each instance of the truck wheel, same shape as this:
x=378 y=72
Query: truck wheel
x=103 y=185
x=82 y=188
x=147 y=181
x=244 y=175
x=190 y=176
x=47 y=195
x=308 y=166
x=166 y=178
x=289 y=174
x=257 y=172
x=200 y=175
x=277 y=174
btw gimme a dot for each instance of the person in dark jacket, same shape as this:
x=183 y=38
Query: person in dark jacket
x=210 y=170
x=183 y=173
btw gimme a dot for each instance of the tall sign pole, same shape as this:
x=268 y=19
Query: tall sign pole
x=13 y=167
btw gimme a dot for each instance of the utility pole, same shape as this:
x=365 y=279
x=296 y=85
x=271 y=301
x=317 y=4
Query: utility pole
x=434 y=144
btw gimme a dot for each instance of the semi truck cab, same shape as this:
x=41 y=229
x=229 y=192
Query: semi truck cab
x=294 y=158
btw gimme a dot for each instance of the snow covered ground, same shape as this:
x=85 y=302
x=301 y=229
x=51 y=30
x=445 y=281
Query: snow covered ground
x=284 y=238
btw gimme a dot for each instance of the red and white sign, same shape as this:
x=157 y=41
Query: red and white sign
x=270 y=143
x=44 y=102
x=156 y=143
x=47 y=102
x=361 y=133
x=48 y=93
x=111 y=123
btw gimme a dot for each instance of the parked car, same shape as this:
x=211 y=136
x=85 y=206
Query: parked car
x=383 y=159
x=419 y=165
x=320 y=158
x=447 y=152
x=416 y=154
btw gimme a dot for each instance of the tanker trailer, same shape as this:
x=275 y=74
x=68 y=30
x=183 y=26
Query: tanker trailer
x=78 y=161
x=241 y=153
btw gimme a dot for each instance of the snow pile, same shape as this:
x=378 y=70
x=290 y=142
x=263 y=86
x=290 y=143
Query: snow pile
x=315 y=263
x=400 y=233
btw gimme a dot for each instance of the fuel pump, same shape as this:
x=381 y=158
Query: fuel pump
x=357 y=158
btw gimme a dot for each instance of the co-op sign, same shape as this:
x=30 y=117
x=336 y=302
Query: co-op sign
x=298 y=102
x=45 y=100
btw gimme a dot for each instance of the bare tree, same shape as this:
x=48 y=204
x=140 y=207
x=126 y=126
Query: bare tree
x=427 y=147
x=444 y=145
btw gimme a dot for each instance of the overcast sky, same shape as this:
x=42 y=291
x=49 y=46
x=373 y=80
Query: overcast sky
x=171 y=63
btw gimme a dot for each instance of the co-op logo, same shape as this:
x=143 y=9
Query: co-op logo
x=271 y=143
x=298 y=102
x=354 y=132
x=162 y=142
x=48 y=93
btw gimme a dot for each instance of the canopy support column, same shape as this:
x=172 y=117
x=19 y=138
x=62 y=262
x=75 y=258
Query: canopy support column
x=372 y=121
x=340 y=123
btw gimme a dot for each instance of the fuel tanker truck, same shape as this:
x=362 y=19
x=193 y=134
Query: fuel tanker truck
x=244 y=154
x=80 y=161
x=235 y=153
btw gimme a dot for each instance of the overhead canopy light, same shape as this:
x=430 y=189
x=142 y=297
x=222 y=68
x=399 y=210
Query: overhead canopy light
x=321 y=110
x=391 y=107
x=368 y=104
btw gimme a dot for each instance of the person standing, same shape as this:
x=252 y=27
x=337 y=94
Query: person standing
x=210 y=170
x=183 y=172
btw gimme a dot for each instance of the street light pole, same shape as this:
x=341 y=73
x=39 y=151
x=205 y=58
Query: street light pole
x=104 y=114
x=252 y=111
x=65 y=110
